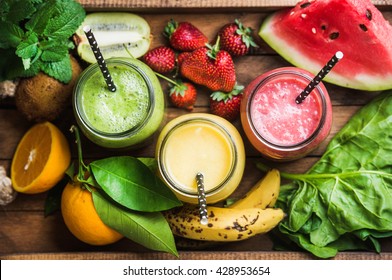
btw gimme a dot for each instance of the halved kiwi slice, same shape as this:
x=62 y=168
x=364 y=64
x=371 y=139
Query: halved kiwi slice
x=113 y=31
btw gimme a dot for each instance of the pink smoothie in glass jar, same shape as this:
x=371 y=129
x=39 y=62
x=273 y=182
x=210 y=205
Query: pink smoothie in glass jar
x=275 y=124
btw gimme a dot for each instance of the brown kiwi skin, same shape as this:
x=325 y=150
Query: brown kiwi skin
x=43 y=98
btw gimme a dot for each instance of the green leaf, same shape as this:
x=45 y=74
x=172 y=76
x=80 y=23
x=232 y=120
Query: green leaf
x=20 y=10
x=26 y=63
x=151 y=163
x=55 y=53
x=69 y=17
x=4 y=9
x=60 y=70
x=349 y=189
x=40 y=18
x=132 y=184
x=11 y=35
x=39 y=32
x=148 y=229
x=12 y=66
x=303 y=241
x=28 y=48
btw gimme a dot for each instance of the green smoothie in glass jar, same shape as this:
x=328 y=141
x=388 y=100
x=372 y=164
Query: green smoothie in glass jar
x=125 y=118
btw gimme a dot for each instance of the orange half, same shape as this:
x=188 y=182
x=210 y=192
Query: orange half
x=40 y=160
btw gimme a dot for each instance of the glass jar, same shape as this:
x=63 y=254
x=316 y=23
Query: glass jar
x=126 y=118
x=205 y=143
x=278 y=127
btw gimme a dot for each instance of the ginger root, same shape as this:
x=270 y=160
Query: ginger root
x=7 y=192
x=8 y=88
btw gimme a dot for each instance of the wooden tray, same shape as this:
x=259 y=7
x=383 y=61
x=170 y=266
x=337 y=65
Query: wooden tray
x=26 y=234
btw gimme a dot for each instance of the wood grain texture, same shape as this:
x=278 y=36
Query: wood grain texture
x=226 y=5
x=268 y=255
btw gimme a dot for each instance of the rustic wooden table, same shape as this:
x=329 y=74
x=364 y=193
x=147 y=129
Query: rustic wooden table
x=26 y=234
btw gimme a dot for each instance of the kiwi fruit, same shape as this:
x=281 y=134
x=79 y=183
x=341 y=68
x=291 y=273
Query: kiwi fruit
x=116 y=33
x=43 y=98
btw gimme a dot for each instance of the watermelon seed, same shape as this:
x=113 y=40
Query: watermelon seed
x=363 y=27
x=323 y=27
x=304 y=5
x=334 y=35
x=369 y=14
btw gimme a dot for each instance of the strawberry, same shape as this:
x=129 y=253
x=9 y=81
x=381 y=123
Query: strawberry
x=160 y=59
x=210 y=67
x=226 y=105
x=235 y=38
x=183 y=95
x=184 y=36
x=181 y=57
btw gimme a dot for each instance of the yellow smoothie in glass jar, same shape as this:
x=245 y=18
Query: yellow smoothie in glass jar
x=204 y=143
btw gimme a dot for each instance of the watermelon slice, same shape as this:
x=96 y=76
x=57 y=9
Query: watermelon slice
x=309 y=34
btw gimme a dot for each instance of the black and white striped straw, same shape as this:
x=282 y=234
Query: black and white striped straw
x=98 y=56
x=316 y=80
x=202 y=199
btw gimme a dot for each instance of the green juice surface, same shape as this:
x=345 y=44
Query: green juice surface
x=119 y=111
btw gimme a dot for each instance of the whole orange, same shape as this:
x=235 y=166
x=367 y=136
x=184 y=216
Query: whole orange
x=81 y=218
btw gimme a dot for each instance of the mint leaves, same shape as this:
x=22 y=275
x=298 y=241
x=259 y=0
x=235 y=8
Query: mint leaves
x=35 y=36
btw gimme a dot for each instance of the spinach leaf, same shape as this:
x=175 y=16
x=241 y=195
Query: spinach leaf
x=148 y=229
x=347 y=194
x=131 y=183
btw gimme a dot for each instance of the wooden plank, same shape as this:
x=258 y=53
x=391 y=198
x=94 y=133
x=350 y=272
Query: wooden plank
x=46 y=236
x=50 y=234
x=262 y=255
x=225 y=5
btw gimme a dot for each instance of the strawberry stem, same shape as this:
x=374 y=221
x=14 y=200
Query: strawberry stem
x=169 y=29
x=213 y=50
x=225 y=96
x=245 y=33
x=167 y=79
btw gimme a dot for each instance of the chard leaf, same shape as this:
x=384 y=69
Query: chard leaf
x=349 y=189
x=132 y=184
x=148 y=229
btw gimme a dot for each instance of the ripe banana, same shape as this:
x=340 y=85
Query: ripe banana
x=263 y=194
x=225 y=224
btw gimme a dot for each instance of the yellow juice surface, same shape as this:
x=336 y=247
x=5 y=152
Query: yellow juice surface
x=205 y=143
x=198 y=148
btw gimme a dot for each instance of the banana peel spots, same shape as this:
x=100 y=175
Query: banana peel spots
x=225 y=224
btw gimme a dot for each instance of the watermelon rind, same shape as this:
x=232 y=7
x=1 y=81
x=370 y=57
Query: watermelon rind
x=287 y=50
